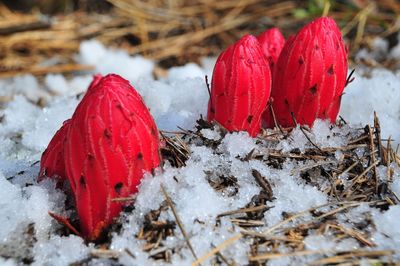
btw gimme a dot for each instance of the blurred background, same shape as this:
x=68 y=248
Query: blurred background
x=173 y=32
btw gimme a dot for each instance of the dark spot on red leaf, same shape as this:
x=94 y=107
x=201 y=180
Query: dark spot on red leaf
x=271 y=62
x=301 y=60
x=82 y=181
x=286 y=102
x=140 y=156
x=107 y=134
x=118 y=187
x=90 y=157
x=249 y=119
x=313 y=89
x=330 y=70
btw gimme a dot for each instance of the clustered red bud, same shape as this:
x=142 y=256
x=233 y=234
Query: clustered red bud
x=272 y=42
x=240 y=87
x=52 y=161
x=310 y=75
x=110 y=141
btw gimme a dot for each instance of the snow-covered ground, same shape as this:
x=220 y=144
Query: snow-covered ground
x=28 y=233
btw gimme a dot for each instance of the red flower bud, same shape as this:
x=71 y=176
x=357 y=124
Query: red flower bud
x=310 y=75
x=95 y=81
x=52 y=161
x=111 y=141
x=272 y=42
x=240 y=87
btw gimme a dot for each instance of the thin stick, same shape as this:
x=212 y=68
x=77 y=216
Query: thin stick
x=269 y=238
x=209 y=94
x=244 y=210
x=124 y=199
x=349 y=78
x=308 y=138
x=353 y=233
x=105 y=253
x=262 y=182
x=353 y=204
x=372 y=156
x=307 y=167
x=351 y=254
x=355 y=180
x=349 y=168
x=178 y=220
x=65 y=222
x=377 y=132
x=268 y=256
x=327 y=6
x=388 y=159
x=271 y=109
x=217 y=249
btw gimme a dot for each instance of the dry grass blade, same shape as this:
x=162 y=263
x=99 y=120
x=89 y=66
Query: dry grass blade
x=178 y=220
x=350 y=255
x=244 y=210
x=105 y=253
x=124 y=199
x=198 y=21
x=172 y=32
x=268 y=256
x=262 y=182
x=307 y=167
x=309 y=139
x=372 y=155
x=217 y=249
x=38 y=71
x=346 y=206
x=353 y=233
x=263 y=236
x=25 y=23
x=332 y=260
x=356 y=179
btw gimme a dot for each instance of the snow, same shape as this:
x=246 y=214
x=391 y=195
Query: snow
x=366 y=95
x=60 y=251
x=190 y=70
x=114 y=61
x=210 y=134
x=238 y=144
x=56 y=84
x=387 y=224
x=379 y=50
x=396 y=186
x=177 y=101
